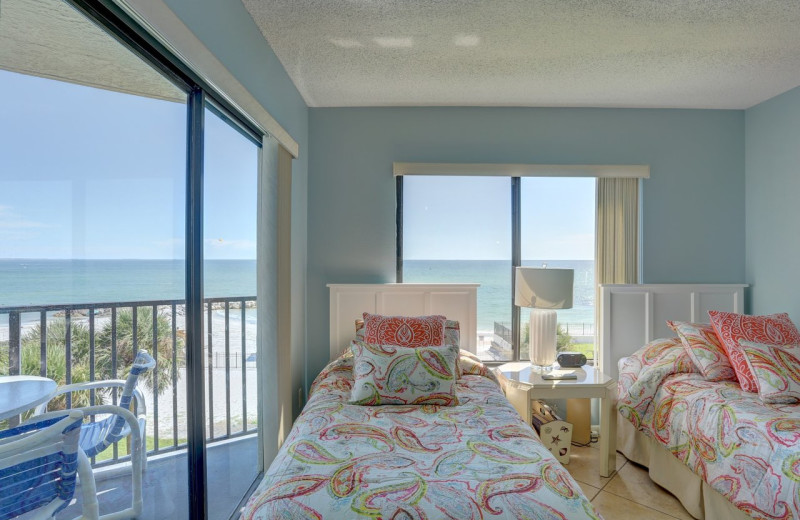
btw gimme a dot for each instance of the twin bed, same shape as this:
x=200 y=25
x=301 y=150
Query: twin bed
x=721 y=450
x=475 y=460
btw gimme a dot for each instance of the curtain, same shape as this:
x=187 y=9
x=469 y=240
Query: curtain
x=274 y=338
x=284 y=325
x=616 y=238
x=267 y=298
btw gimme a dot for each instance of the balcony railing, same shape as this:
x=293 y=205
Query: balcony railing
x=74 y=343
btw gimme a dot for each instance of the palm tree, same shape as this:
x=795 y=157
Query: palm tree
x=30 y=357
x=126 y=352
x=80 y=345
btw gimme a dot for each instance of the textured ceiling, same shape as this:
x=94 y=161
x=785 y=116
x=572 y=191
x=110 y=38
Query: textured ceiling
x=50 y=39
x=612 y=53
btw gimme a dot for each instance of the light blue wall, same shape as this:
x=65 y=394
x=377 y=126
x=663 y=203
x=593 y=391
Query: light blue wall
x=693 y=202
x=227 y=29
x=772 y=192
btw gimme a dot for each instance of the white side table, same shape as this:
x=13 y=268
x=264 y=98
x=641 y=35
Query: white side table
x=523 y=383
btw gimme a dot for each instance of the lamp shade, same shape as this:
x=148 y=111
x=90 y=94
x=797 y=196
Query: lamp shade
x=542 y=288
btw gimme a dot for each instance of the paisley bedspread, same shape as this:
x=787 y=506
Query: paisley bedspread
x=476 y=460
x=746 y=450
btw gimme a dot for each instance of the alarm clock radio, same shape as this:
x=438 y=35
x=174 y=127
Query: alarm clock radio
x=571 y=359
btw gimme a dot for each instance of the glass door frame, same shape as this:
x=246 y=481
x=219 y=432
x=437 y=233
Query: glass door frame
x=200 y=95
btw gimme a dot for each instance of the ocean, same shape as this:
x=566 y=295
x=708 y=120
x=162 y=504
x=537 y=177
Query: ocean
x=494 y=293
x=40 y=282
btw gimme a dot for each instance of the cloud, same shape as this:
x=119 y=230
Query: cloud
x=12 y=221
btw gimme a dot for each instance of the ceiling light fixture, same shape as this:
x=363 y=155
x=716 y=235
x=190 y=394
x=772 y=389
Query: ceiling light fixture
x=395 y=43
x=467 y=40
x=346 y=43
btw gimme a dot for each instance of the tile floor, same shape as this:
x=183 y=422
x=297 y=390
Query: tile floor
x=629 y=494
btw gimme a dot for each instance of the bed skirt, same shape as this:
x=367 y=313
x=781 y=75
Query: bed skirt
x=699 y=499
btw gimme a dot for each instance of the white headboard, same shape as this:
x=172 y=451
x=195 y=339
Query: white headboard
x=350 y=301
x=632 y=315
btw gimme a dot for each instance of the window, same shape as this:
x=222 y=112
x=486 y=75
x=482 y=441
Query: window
x=557 y=218
x=100 y=210
x=460 y=229
x=461 y=232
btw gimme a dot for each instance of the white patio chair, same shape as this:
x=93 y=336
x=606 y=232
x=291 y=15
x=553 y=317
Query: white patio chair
x=39 y=463
x=120 y=423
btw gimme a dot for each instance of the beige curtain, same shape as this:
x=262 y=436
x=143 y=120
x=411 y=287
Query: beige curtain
x=284 y=292
x=274 y=296
x=267 y=295
x=616 y=238
x=617 y=233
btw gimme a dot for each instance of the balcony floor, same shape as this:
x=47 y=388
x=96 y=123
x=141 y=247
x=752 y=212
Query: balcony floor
x=231 y=470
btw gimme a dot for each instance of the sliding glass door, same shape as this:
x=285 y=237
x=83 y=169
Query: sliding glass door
x=123 y=228
x=92 y=212
x=230 y=199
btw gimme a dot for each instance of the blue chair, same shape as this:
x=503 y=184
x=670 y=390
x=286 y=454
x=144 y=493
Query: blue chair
x=118 y=423
x=39 y=462
x=99 y=435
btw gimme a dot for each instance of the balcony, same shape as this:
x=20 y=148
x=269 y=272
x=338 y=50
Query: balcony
x=86 y=342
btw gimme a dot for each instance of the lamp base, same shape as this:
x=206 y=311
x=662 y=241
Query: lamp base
x=542 y=337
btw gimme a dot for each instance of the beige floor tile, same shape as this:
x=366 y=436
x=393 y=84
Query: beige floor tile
x=589 y=491
x=612 y=507
x=633 y=482
x=584 y=466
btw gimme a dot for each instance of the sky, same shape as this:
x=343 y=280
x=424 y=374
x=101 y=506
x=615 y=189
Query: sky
x=96 y=174
x=469 y=218
x=91 y=173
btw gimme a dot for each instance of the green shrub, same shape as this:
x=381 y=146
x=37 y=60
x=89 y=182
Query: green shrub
x=80 y=346
x=563 y=339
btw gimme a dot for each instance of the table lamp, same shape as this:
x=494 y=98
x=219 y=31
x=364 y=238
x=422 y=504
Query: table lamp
x=543 y=290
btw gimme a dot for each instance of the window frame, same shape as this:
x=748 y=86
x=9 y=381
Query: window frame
x=516 y=254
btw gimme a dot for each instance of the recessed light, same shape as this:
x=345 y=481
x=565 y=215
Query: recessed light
x=346 y=43
x=395 y=43
x=467 y=40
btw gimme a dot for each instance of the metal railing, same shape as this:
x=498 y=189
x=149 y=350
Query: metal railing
x=99 y=341
x=501 y=348
x=503 y=330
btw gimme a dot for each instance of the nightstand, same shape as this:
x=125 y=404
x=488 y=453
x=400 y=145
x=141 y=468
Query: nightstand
x=523 y=383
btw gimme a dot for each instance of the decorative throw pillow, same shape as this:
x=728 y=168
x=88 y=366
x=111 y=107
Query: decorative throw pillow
x=390 y=374
x=452 y=336
x=776 y=369
x=704 y=347
x=405 y=331
x=774 y=329
x=470 y=365
x=452 y=332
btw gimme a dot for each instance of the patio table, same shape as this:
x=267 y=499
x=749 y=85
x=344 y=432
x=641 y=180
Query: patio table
x=21 y=393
